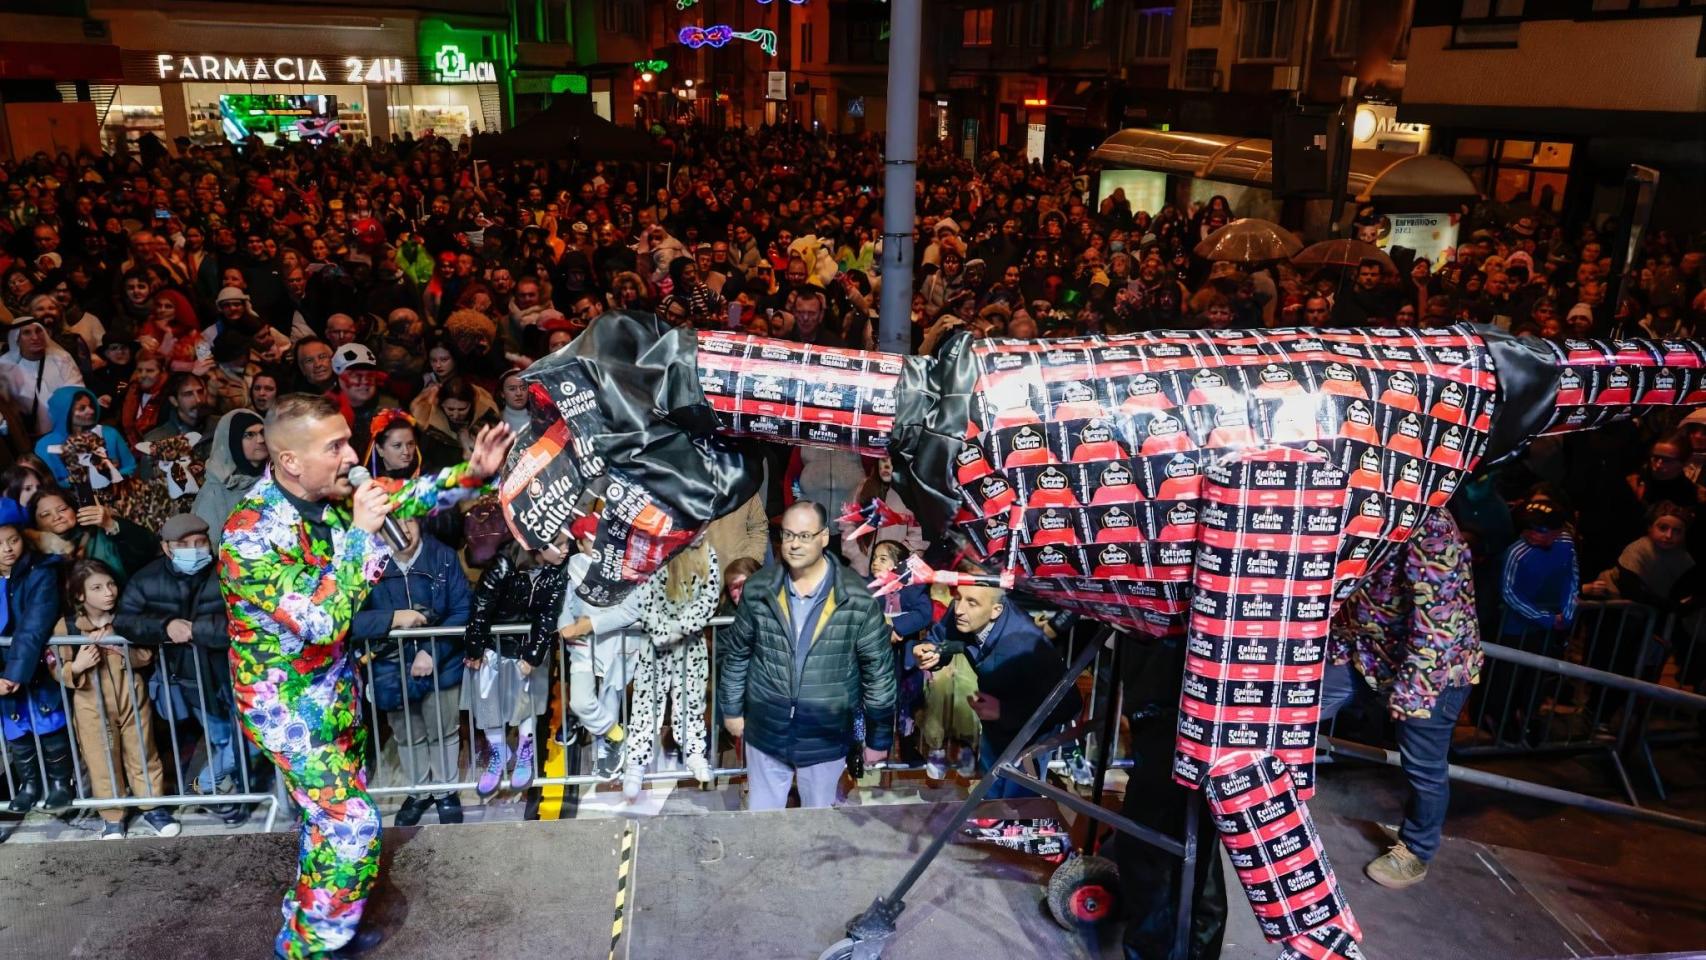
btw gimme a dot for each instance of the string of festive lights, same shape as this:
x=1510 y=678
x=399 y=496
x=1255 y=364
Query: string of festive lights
x=719 y=35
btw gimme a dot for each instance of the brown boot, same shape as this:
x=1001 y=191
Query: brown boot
x=1397 y=868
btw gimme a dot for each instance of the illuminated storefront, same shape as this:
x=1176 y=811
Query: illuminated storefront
x=331 y=74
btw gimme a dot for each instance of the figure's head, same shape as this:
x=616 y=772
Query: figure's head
x=90 y=585
x=1667 y=525
x=805 y=535
x=975 y=607
x=308 y=441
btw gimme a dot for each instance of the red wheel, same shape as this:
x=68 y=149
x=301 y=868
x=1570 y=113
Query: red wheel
x=1084 y=891
x=1091 y=904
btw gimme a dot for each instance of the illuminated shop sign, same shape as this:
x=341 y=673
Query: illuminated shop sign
x=205 y=66
x=451 y=65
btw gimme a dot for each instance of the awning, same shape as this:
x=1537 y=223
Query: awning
x=1248 y=161
x=24 y=60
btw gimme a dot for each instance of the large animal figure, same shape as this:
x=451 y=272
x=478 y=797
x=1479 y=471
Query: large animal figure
x=1230 y=485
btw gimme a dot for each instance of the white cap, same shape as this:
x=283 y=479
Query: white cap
x=231 y=293
x=352 y=355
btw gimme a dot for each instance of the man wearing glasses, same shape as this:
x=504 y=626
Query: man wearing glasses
x=808 y=648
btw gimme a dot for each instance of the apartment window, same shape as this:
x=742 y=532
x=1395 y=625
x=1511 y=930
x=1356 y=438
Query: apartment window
x=1518 y=171
x=1015 y=23
x=806 y=42
x=979 y=27
x=1483 y=9
x=1095 y=22
x=1205 y=13
x=1345 y=27
x=1201 y=64
x=1037 y=34
x=1264 y=29
x=1487 y=23
x=1152 y=34
x=621 y=16
x=556 y=22
x=1066 y=22
x=527 y=20
x=1623 y=6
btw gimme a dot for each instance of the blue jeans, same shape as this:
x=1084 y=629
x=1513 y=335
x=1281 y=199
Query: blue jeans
x=221 y=733
x=988 y=751
x=1422 y=748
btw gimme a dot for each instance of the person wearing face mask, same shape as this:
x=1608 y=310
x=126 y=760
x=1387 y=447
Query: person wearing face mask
x=235 y=461
x=174 y=604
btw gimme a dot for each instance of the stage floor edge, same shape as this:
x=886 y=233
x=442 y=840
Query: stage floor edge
x=721 y=885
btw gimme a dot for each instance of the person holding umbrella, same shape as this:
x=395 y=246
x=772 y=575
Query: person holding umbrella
x=1370 y=299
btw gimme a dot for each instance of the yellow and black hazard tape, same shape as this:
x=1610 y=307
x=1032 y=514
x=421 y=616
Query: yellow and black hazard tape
x=624 y=871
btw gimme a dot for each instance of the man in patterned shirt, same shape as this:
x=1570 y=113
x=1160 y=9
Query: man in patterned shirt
x=295 y=565
x=1410 y=633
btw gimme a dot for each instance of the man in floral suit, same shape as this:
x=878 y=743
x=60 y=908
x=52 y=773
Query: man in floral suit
x=295 y=565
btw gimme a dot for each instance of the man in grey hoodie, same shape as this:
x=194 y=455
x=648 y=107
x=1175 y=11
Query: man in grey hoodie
x=236 y=459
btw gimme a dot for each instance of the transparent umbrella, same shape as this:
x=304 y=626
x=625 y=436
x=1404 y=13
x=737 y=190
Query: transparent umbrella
x=1343 y=252
x=1249 y=240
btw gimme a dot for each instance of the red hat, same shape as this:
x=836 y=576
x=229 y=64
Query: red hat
x=584 y=528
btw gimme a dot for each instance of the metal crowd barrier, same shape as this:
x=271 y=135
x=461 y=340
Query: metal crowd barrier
x=178 y=699
x=1615 y=684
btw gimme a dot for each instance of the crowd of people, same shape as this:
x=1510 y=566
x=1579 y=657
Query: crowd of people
x=159 y=303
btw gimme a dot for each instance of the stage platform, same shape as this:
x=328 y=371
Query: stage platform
x=717 y=885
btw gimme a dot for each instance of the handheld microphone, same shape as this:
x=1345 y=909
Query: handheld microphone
x=358 y=475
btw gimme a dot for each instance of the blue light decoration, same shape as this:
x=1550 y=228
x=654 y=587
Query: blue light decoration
x=720 y=34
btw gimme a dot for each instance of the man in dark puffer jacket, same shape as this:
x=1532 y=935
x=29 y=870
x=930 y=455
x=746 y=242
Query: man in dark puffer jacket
x=174 y=603
x=808 y=648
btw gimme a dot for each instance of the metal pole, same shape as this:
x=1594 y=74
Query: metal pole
x=1524 y=788
x=900 y=176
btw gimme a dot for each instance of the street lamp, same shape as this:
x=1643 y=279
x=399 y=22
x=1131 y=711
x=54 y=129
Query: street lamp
x=689 y=83
x=646 y=77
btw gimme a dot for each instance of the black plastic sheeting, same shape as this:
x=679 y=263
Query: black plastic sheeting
x=619 y=413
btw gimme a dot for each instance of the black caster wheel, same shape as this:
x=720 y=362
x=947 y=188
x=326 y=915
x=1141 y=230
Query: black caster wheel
x=1084 y=891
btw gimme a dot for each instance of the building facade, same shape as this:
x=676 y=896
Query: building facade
x=1067 y=73
x=1548 y=102
x=55 y=64
x=222 y=71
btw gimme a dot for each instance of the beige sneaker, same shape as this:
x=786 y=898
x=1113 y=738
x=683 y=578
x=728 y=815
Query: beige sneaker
x=1397 y=868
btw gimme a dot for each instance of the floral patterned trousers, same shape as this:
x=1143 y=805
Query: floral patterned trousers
x=339 y=853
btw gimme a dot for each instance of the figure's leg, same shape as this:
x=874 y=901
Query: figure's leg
x=1422 y=747
x=1149 y=878
x=339 y=851
x=690 y=676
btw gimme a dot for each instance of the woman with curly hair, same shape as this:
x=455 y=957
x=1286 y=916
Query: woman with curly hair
x=473 y=341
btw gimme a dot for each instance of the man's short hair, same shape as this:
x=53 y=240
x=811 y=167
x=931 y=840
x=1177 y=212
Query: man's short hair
x=812 y=293
x=176 y=382
x=1366 y=262
x=816 y=509
x=294 y=408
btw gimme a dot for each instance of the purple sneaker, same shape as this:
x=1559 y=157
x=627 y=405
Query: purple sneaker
x=492 y=777
x=522 y=778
